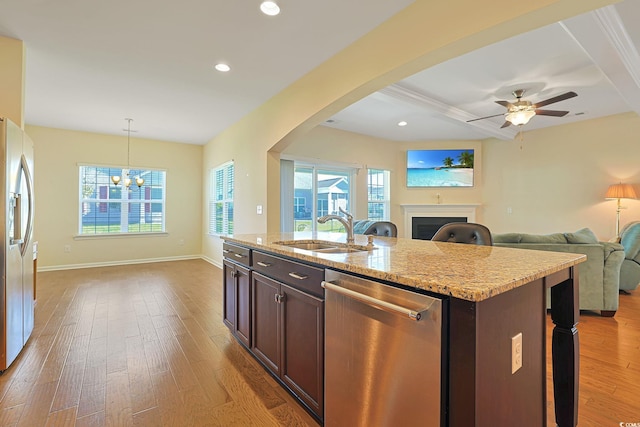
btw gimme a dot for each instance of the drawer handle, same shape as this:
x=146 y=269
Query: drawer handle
x=239 y=255
x=298 y=276
x=263 y=264
x=225 y=251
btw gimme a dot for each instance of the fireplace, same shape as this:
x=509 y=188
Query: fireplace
x=424 y=227
x=442 y=213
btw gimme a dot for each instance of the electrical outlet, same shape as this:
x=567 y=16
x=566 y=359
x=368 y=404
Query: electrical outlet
x=516 y=352
x=67 y=248
x=259 y=209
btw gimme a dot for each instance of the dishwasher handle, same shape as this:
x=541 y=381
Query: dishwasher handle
x=384 y=305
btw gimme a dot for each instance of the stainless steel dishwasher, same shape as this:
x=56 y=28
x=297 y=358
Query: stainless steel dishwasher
x=383 y=354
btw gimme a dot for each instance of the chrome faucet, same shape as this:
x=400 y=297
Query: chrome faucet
x=348 y=223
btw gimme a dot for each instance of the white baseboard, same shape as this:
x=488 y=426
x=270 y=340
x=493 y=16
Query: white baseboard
x=212 y=261
x=125 y=262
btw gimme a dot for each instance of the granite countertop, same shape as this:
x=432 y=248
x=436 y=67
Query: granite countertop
x=468 y=272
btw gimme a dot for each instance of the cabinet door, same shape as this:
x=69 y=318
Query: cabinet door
x=229 y=290
x=266 y=321
x=243 y=305
x=303 y=347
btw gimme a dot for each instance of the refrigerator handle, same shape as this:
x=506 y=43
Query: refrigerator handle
x=27 y=233
x=16 y=237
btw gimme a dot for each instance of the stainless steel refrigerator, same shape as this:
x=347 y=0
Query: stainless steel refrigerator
x=17 y=211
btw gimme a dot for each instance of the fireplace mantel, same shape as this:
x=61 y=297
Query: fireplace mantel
x=457 y=210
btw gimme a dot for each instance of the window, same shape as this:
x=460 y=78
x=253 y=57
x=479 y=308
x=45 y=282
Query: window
x=106 y=208
x=319 y=191
x=378 y=194
x=221 y=200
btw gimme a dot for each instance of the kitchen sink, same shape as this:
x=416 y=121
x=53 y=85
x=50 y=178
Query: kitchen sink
x=323 y=246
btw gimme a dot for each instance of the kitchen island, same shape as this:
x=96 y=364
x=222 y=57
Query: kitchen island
x=491 y=295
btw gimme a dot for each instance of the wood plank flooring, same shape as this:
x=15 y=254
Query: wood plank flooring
x=144 y=345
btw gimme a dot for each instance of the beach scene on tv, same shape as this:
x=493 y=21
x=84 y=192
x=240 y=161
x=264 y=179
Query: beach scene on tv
x=439 y=168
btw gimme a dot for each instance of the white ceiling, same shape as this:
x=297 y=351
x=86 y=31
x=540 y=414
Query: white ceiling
x=90 y=64
x=594 y=55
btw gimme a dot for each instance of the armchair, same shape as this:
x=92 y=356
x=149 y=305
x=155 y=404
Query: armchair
x=630 y=270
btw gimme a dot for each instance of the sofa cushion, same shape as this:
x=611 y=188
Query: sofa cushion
x=543 y=238
x=582 y=236
x=507 y=238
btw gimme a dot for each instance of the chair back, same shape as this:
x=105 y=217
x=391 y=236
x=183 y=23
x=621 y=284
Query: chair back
x=464 y=232
x=375 y=228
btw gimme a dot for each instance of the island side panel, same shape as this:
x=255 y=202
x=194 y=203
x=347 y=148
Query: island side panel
x=483 y=390
x=565 y=314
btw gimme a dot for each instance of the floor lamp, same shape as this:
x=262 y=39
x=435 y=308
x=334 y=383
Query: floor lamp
x=620 y=191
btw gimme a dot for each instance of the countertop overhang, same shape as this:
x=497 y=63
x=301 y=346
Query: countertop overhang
x=468 y=272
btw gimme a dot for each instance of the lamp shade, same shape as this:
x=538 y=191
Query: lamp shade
x=621 y=191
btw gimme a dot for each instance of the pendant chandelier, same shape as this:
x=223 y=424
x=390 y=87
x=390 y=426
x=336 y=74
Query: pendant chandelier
x=127 y=181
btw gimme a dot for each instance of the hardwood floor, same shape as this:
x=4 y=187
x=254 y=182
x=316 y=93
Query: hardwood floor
x=609 y=366
x=140 y=345
x=144 y=345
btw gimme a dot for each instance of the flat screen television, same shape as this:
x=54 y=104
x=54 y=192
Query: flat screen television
x=440 y=168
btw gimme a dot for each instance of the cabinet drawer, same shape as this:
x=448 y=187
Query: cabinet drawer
x=238 y=254
x=300 y=276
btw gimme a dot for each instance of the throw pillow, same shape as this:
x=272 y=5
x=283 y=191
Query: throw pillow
x=582 y=236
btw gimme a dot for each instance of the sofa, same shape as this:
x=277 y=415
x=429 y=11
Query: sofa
x=630 y=271
x=376 y=228
x=599 y=276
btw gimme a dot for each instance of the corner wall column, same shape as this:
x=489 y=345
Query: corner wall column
x=12 y=76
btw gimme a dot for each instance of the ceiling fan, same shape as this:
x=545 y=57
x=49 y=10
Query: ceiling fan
x=520 y=112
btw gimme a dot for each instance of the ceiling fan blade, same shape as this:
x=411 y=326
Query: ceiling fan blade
x=486 y=117
x=507 y=123
x=554 y=113
x=506 y=104
x=555 y=99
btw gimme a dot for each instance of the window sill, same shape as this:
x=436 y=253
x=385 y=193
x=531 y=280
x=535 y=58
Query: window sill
x=119 y=235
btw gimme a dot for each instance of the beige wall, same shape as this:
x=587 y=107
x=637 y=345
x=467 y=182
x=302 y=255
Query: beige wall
x=336 y=146
x=12 y=71
x=57 y=155
x=556 y=178
x=422 y=35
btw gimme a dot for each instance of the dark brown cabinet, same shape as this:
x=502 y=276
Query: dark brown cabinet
x=237 y=293
x=275 y=307
x=288 y=337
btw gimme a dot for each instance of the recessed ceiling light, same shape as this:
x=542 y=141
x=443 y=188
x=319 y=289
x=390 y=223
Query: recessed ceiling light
x=222 y=67
x=402 y=123
x=270 y=8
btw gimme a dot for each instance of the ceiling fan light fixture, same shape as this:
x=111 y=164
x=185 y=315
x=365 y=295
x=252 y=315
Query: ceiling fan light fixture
x=520 y=117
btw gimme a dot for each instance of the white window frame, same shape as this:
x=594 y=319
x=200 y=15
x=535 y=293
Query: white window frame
x=228 y=188
x=316 y=169
x=386 y=200
x=124 y=202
